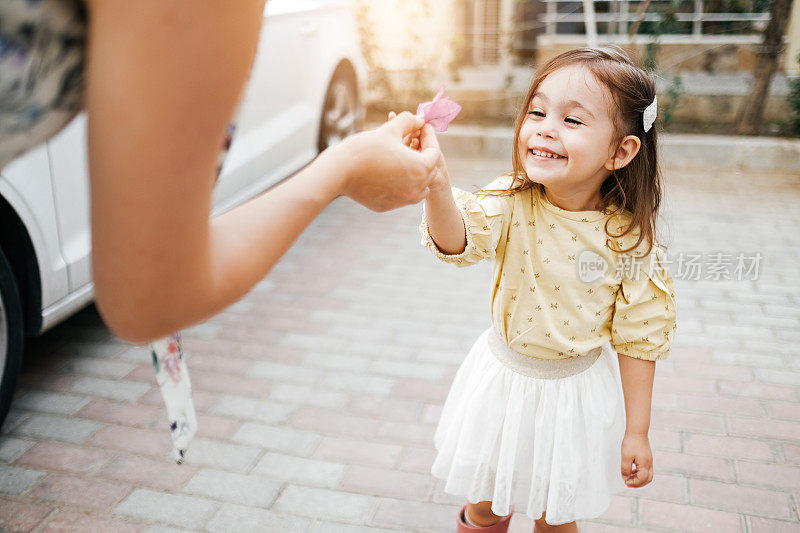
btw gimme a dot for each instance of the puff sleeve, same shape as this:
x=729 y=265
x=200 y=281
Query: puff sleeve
x=645 y=315
x=483 y=217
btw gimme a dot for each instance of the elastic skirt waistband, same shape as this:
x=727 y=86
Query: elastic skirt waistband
x=540 y=368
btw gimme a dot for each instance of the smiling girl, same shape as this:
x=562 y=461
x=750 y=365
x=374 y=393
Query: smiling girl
x=559 y=388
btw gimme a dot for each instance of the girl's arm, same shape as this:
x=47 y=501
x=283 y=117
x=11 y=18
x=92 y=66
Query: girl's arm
x=163 y=80
x=445 y=223
x=637 y=386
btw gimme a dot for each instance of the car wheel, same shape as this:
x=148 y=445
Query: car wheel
x=11 y=336
x=340 y=115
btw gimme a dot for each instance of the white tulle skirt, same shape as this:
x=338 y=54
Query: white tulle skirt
x=540 y=443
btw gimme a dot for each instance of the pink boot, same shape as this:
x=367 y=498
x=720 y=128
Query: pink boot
x=499 y=527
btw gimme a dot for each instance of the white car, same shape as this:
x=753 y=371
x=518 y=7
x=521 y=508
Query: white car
x=303 y=95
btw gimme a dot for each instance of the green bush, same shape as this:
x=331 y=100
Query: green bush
x=794 y=104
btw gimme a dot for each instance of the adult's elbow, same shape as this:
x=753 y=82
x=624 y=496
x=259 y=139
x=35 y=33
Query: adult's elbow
x=139 y=324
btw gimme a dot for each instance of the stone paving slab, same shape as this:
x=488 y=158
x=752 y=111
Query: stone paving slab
x=318 y=393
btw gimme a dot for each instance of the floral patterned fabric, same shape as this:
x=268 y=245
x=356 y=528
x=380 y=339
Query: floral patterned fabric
x=176 y=389
x=42 y=45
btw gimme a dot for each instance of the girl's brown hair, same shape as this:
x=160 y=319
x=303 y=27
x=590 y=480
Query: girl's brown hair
x=634 y=190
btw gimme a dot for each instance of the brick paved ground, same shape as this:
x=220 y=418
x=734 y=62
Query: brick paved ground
x=318 y=393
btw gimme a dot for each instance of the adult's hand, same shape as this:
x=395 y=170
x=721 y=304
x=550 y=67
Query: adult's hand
x=425 y=140
x=382 y=171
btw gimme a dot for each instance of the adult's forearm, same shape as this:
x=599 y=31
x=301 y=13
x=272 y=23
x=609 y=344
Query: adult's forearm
x=234 y=252
x=637 y=386
x=445 y=222
x=248 y=241
x=160 y=264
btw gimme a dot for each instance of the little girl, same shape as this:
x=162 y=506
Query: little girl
x=581 y=305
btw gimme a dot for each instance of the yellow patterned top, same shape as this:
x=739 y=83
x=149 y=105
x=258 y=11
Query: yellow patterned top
x=558 y=290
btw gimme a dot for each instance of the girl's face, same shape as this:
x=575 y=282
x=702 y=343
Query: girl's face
x=565 y=140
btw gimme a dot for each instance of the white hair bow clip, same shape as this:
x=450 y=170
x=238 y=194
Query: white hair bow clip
x=649 y=115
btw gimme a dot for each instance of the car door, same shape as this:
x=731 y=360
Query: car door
x=271 y=138
x=26 y=185
x=70 y=171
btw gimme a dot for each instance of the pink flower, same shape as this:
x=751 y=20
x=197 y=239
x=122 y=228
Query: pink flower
x=439 y=112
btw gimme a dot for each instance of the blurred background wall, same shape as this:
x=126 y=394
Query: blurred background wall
x=485 y=51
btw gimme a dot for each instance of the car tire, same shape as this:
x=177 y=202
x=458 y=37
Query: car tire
x=340 y=114
x=11 y=335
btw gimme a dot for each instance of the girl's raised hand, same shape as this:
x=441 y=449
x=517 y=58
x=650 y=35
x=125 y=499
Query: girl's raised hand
x=637 y=460
x=429 y=142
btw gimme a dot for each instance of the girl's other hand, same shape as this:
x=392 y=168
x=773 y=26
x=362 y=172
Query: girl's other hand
x=380 y=171
x=637 y=460
x=412 y=139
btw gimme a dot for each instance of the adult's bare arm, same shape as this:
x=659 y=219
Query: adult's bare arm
x=163 y=79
